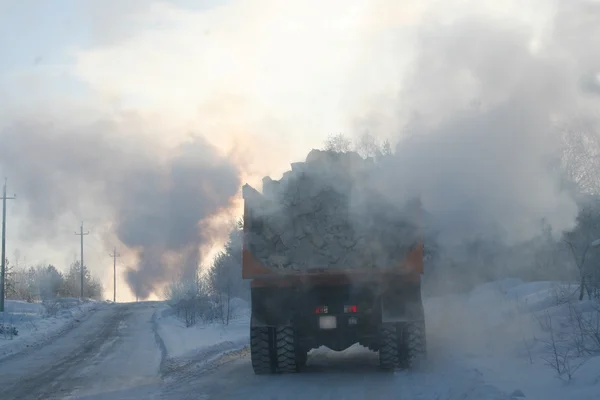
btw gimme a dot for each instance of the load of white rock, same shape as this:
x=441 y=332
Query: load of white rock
x=324 y=214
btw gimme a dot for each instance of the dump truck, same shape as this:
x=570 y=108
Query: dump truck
x=294 y=311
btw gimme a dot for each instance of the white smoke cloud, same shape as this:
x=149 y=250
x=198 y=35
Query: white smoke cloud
x=475 y=84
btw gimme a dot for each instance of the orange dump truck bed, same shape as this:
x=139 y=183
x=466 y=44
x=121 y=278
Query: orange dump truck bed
x=252 y=268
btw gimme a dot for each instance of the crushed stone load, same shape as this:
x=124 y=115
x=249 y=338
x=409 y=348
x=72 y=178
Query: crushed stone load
x=325 y=214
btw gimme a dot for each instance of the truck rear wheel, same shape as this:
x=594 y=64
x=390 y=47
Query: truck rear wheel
x=389 y=349
x=402 y=345
x=286 y=349
x=262 y=349
x=414 y=339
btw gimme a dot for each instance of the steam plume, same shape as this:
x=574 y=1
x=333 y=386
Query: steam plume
x=156 y=197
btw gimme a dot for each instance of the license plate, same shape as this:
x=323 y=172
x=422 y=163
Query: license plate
x=328 y=322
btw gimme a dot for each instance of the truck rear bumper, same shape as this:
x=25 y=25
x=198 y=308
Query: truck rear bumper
x=348 y=329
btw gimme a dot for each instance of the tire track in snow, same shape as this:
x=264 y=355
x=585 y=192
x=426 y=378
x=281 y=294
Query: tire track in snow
x=27 y=346
x=352 y=374
x=44 y=383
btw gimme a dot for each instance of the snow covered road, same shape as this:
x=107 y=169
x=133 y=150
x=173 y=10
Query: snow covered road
x=116 y=353
x=352 y=374
x=113 y=354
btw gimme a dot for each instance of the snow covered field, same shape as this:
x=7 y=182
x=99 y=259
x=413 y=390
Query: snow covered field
x=507 y=332
x=34 y=324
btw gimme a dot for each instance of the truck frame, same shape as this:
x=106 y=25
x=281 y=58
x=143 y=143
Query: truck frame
x=294 y=313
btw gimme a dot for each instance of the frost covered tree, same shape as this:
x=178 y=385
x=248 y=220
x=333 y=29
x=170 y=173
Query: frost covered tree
x=9 y=280
x=48 y=282
x=225 y=275
x=71 y=285
x=209 y=296
x=581 y=157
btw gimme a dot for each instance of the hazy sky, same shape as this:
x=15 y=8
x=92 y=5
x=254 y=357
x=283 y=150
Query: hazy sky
x=124 y=84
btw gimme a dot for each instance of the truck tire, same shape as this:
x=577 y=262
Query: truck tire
x=262 y=350
x=286 y=349
x=389 y=349
x=402 y=345
x=415 y=342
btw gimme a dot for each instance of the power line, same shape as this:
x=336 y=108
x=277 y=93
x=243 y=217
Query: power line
x=114 y=255
x=3 y=270
x=81 y=266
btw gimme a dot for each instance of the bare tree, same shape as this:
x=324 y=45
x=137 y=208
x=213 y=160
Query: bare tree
x=579 y=242
x=367 y=146
x=586 y=329
x=579 y=257
x=559 y=353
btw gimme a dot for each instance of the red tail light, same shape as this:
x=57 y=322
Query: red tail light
x=321 y=310
x=350 y=309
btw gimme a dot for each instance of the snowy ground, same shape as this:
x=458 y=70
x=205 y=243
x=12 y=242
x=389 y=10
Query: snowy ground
x=484 y=345
x=203 y=338
x=502 y=330
x=34 y=324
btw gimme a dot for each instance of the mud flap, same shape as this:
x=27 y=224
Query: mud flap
x=272 y=307
x=402 y=304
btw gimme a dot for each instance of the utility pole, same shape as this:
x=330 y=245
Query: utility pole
x=114 y=255
x=3 y=270
x=81 y=261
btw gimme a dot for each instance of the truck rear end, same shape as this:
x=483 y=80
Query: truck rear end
x=294 y=312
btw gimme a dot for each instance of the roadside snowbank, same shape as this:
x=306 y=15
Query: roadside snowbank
x=33 y=324
x=506 y=331
x=203 y=338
